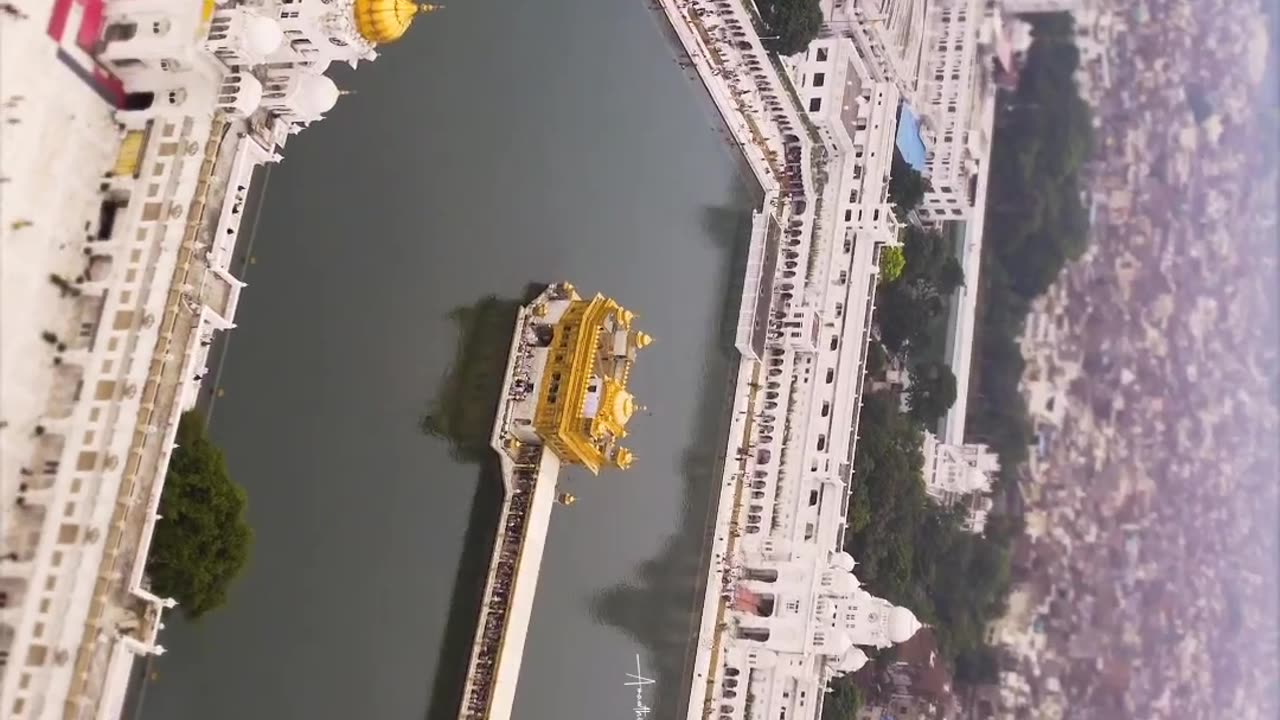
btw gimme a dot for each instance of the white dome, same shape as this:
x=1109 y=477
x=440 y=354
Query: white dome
x=843 y=561
x=249 y=96
x=316 y=95
x=262 y=35
x=852 y=660
x=839 y=643
x=903 y=625
x=840 y=582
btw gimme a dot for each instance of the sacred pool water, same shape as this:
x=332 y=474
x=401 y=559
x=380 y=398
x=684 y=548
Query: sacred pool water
x=500 y=144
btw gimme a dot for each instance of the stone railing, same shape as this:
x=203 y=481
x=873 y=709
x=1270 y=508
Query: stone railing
x=487 y=651
x=159 y=395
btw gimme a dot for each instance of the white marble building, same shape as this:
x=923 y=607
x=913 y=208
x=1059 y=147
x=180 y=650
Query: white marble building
x=856 y=117
x=889 y=35
x=960 y=474
x=800 y=619
x=949 y=103
x=141 y=241
x=933 y=51
x=795 y=614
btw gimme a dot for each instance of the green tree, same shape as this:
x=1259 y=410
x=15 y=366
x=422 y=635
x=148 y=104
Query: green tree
x=888 y=493
x=906 y=185
x=932 y=392
x=1036 y=223
x=979 y=666
x=877 y=360
x=902 y=317
x=795 y=23
x=927 y=253
x=913 y=306
x=950 y=276
x=844 y=700
x=892 y=262
x=202 y=541
x=910 y=550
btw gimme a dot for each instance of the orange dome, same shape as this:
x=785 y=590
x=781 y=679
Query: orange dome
x=384 y=21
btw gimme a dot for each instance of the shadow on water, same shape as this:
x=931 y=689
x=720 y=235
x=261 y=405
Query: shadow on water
x=462 y=414
x=463 y=411
x=661 y=606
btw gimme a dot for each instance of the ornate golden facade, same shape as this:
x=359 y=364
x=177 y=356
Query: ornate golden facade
x=584 y=404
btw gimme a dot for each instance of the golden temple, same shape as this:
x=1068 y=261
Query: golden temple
x=584 y=404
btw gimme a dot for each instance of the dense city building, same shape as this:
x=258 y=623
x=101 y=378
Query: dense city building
x=1147 y=573
x=913 y=684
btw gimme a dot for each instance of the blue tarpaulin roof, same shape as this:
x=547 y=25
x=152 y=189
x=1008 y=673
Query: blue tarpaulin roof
x=909 y=142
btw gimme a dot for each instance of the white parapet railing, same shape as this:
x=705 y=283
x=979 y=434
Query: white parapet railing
x=162 y=402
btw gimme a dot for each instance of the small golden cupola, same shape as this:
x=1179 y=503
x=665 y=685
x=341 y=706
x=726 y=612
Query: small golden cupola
x=623 y=458
x=384 y=21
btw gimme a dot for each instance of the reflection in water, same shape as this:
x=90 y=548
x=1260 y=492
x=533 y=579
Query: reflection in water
x=468 y=591
x=463 y=411
x=661 y=607
x=462 y=414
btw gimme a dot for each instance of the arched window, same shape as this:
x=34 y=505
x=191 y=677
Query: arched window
x=119 y=32
x=138 y=100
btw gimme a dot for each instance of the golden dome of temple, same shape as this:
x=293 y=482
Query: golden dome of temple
x=384 y=21
x=624 y=406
